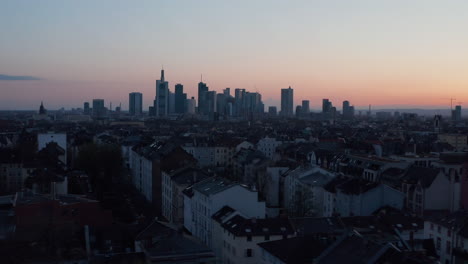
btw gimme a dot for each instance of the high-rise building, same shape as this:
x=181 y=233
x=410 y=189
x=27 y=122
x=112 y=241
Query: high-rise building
x=326 y=106
x=305 y=106
x=299 y=112
x=135 y=103
x=227 y=92
x=191 y=105
x=86 y=109
x=221 y=103
x=272 y=110
x=239 y=103
x=210 y=102
x=99 y=110
x=161 y=102
x=348 y=111
x=287 y=101
x=456 y=113
x=202 y=105
x=180 y=99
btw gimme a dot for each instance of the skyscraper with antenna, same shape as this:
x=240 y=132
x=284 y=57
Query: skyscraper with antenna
x=161 y=102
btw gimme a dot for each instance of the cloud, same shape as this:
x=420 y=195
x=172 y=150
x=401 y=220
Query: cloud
x=4 y=77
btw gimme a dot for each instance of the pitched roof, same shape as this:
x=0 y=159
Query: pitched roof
x=241 y=226
x=424 y=175
x=295 y=250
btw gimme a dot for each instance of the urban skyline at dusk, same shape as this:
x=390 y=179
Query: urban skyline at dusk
x=390 y=55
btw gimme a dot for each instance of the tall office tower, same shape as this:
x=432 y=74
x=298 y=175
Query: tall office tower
x=299 y=111
x=210 y=102
x=239 y=103
x=287 y=100
x=202 y=90
x=151 y=111
x=253 y=103
x=86 y=109
x=221 y=102
x=171 y=105
x=346 y=110
x=351 y=112
x=180 y=99
x=227 y=92
x=98 y=108
x=161 y=102
x=135 y=104
x=456 y=113
x=272 y=110
x=326 y=106
x=229 y=109
x=305 y=107
x=191 y=105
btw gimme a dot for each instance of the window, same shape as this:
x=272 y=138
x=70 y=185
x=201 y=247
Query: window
x=248 y=252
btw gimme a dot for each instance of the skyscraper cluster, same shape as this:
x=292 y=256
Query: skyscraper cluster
x=210 y=105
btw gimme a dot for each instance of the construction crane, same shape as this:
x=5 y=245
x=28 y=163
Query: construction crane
x=451 y=101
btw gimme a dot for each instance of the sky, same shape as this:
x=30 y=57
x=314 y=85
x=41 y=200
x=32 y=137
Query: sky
x=388 y=53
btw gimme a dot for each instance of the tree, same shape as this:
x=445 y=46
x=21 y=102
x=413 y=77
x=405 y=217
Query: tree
x=302 y=203
x=103 y=163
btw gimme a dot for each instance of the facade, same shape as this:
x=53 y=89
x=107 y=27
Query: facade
x=287 y=101
x=191 y=106
x=238 y=236
x=173 y=184
x=207 y=197
x=268 y=146
x=458 y=141
x=354 y=197
x=304 y=191
x=135 y=104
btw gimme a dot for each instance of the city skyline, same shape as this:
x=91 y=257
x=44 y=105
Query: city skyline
x=384 y=54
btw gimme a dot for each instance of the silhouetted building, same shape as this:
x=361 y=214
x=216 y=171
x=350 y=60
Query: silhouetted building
x=191 y=105
x=135 y=103
x=287 y=101
x=210 y=102
x=180 y=99
x=86 y=109
x=272 y=111
x=305 y=107
x=202 y=104
x=348 y=111
x=42 y=110
x=161 y=102
x=456 y=114
x=326 y=106
x=99 y=110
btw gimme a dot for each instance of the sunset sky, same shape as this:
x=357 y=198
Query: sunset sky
x=395 y=53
